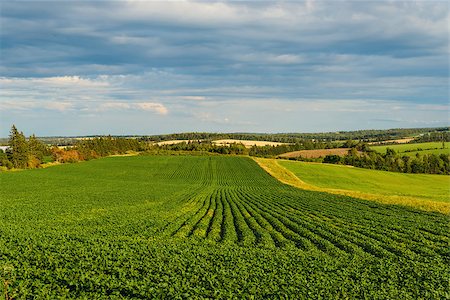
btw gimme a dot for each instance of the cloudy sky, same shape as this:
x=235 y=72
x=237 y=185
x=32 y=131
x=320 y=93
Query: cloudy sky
x=141 y=67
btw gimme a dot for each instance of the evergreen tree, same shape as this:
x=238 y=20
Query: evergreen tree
x=18 y=149
x=406 y=164
x=36 y=148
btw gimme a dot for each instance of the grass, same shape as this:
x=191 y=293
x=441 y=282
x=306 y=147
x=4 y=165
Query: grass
x=426 y=186
x=207 y=227
x=429 y=151
x=422 y=191
x=412 y=149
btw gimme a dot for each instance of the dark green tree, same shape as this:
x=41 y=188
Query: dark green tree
x=18 y=149
x=36 y=148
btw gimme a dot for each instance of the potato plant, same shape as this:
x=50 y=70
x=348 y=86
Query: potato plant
x=185 y=227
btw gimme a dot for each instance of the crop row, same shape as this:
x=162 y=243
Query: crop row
x=240 y=204
x=233 y=215
x=207 y=227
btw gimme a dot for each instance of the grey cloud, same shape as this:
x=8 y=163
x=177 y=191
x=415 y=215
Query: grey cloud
x=176 y=53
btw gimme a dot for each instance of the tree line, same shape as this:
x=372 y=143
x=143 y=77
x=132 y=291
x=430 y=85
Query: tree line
x=292 y=138
x=23 y=153
x=360 y=155
x=202 y=146
x=261 y=151
x=272 y=151
x=437 y=136
x=392 y=161
x=371 y=135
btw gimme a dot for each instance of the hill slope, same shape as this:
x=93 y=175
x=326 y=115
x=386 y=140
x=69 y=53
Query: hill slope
x=214 y=227
x=424 y=186
x=414 y=148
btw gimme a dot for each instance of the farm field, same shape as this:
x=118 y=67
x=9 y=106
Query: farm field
x=399 y=141
x=412 y=149
x=208 y=227
x=429 y=151
x=173 y=142
x=426 y=186
x=316 y=153
x=246 y=143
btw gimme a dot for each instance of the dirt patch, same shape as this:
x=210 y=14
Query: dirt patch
x=316 y=153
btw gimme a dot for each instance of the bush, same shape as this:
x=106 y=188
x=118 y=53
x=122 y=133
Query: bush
x=65 y=156
x=6 y=163
x=332 y=159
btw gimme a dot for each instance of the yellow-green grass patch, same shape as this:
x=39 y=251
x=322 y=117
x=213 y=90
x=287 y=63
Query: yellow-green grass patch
x=409 y=148
x=423 y=191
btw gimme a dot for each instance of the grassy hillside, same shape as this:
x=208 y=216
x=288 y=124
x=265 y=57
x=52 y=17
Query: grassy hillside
x=412 y=149
x=207 y=227
x=426 y=186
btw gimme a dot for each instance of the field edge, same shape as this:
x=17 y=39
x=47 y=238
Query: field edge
x=282 y=174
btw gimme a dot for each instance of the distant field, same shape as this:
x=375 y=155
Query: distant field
x=433 y=151
x=399 y=141
x=207 y=227
x=247 y=143
x=424 y=186
x=316 y=153
x=173 y=142
x=412 y=149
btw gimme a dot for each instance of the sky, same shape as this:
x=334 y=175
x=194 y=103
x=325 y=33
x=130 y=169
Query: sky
x=143 y=67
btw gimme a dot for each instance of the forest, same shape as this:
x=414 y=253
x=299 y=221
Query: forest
x=394 y=162
x=364 y=135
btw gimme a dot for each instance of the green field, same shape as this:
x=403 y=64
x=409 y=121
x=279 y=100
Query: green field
x=184 y=227
x=426 y=186
x=413 y=149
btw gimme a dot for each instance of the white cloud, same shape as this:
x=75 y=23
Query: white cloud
x=193 y=98
x=35 y=105
x=287 y=59
x=153 y=107
x=58 y=106
x=74 y=81
x=157 y=108
x=209 y=117
x=13 y=105
x=187 y=12
x=265 y=58
x=114 y=105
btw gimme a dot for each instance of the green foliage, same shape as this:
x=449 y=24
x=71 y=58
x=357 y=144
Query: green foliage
x=412 y=148
x=422 y=186
x=21 y=153
x=365 y=135
x=104 y=146
x=36 y=152
x=18 y=152
x=437 y=136
x=201 y=146
x=208 y=227
x=430 y=163
x=4 y=162
x=271 y=151
x=332 y=159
